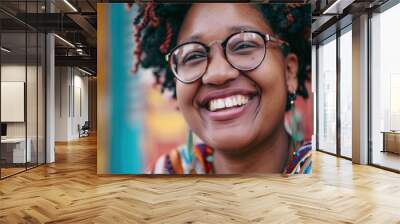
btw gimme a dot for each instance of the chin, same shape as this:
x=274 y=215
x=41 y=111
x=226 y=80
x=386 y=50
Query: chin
x=229 y=143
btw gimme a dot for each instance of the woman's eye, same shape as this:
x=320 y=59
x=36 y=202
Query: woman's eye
x=243 y=46
x=194 y=57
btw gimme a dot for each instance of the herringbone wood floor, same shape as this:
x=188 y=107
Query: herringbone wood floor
x=70 y=191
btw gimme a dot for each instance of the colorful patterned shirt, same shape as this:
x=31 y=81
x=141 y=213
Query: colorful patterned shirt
x=200 y=160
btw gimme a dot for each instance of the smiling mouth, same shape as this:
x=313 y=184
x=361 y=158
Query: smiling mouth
x=227 y=107
x=228 y=102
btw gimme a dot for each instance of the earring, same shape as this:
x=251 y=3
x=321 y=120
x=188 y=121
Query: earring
x=290 y=101
x=189 y=143
x=294 y=122
x=187 y=153
x=294 y=125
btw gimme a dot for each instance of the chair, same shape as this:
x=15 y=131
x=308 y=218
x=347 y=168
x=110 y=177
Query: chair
x=84 y=130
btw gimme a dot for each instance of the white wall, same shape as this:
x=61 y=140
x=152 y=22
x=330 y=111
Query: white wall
x=61 y=103
x=16 y=73
x=13 y=100
x=33 y=126
x=80 y=89
x=71 y=87
x=13 y=73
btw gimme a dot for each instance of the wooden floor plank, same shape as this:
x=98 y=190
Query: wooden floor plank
x=70 y=191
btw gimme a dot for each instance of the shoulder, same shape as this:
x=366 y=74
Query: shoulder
x=181 y=160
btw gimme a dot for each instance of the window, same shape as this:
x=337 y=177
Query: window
x=385 y=89
x=327 y=95
x=346 y=74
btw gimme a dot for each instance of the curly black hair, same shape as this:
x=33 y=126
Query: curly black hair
x=157 y=26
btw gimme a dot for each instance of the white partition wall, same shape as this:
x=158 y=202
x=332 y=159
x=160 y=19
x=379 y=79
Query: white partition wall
x=22 y=77
x=14 y=70
x=71 y=102
x=12 y=98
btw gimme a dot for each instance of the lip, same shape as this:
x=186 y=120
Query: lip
x=231 y=113
x=216 y=94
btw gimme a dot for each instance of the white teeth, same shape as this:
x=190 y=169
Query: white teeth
x=220 y=103
x=235 y=101
x=227 y=102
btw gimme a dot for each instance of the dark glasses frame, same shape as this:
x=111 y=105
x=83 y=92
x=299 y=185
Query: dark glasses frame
x=265 y=36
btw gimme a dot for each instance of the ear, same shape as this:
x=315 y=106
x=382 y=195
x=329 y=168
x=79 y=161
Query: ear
x=292 y=66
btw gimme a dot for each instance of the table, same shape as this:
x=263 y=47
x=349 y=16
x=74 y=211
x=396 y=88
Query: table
x=15 y=148
x=391 y=141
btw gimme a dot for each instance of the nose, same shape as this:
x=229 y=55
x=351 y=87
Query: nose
x=219 y=71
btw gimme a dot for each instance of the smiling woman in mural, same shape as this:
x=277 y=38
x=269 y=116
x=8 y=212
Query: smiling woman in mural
x=236 y=70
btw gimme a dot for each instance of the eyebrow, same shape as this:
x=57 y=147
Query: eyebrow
x=233 y=29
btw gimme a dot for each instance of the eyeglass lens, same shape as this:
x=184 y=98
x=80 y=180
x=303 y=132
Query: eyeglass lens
x=244 y=51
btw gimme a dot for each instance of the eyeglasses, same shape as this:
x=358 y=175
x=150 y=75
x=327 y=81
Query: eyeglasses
x=243 y=50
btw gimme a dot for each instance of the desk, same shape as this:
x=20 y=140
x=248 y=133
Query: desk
x=16 y=147
x=391 y=141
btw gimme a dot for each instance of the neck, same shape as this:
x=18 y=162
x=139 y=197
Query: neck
x=268 y=157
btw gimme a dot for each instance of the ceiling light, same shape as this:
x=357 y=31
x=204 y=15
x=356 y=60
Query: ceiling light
x=70 y=5
x=5 y=50
x=79 y=51
x=331 y=7
x=84 y=71
x=338 y=6
x=65 y=41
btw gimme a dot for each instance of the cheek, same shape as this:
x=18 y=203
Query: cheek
x=185 y=94
x=270 y=76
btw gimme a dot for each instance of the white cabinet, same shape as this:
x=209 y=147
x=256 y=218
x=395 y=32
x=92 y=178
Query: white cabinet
x=18 y=149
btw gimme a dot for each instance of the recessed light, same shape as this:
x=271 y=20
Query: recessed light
x=65 y=41
x=5 y=50
x=84 y=71
x=70 y=5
